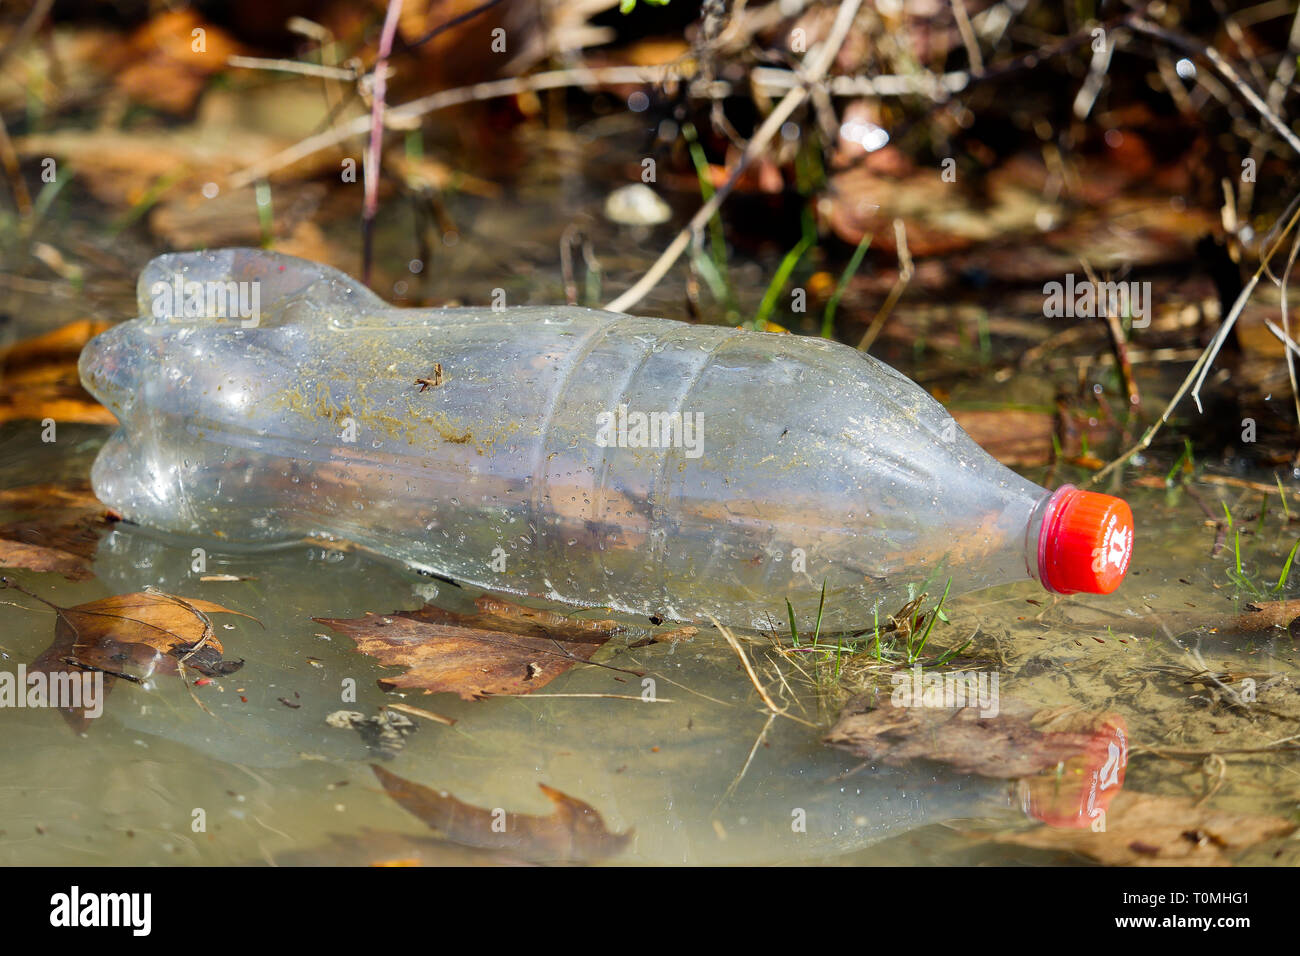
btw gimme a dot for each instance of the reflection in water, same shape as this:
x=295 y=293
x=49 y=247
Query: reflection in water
x=272 y=777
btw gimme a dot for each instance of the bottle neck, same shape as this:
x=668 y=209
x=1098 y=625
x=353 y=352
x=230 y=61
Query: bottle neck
x=1039 y=532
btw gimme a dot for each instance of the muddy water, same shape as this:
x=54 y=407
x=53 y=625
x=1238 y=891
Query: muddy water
x=701 y=775
x=276 y=784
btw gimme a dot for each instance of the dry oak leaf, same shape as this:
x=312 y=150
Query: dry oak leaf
x=504 y=648
x=573 y=831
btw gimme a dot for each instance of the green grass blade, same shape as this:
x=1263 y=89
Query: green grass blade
x=828 y=317
x=783 y=271
x=1286 y=569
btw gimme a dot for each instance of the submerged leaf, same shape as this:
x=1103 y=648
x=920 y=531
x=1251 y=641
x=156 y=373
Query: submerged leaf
x=1266 y=615
x=573 y=831
x=370 y=847
x=466 y=661
x=503 y=649
x=497 y=614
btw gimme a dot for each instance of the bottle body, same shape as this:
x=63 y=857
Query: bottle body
x=597 y=459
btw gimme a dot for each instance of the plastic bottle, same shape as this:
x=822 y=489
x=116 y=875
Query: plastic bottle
x=640 y=464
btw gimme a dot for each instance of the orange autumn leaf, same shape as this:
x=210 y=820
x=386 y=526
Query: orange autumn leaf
x=132 y=636
x=38 y=377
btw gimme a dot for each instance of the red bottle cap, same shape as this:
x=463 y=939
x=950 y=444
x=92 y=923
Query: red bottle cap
x=1086 y=542
x=1078 y=792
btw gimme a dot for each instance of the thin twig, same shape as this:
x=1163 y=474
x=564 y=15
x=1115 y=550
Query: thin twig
x=744 y=660
x=788 y=104
x=1201 y=368
x=1118 y=343
x=905 y=271
x=449 y=24
x=445 y=99
x=1286 y=321
x=968 y=36
x=758 y=741
x=1191 y=752
x=421 y=712
x=293 y=66
x=1095 y=81
x=13 y=169
x=24 y=32
x=374 y=150
x=1224 y=69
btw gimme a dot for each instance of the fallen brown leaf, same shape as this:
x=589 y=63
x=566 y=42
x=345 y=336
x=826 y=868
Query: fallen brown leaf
x=504 y=648
x=133 y=636
x=1144 y=829
x=671 y=636
x=59 y=529
x=467 y=661
x=33 y=557
x=1266 y=615
x=38 y=378
x=529 y=621
x=167 y=62
x=573 y=831
x=144 y=634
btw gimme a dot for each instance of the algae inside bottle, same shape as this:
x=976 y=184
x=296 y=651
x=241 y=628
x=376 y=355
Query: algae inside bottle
x=598 y=459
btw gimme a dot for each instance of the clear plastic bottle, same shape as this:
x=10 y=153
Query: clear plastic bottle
x=598 y=459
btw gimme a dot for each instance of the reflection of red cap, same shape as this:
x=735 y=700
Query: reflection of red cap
x=1085 y=543
x=1077 y=793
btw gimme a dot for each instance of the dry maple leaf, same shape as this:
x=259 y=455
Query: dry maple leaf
x=573 y=831
x=505 y=648
x=133 y=636
x=1146 y=829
